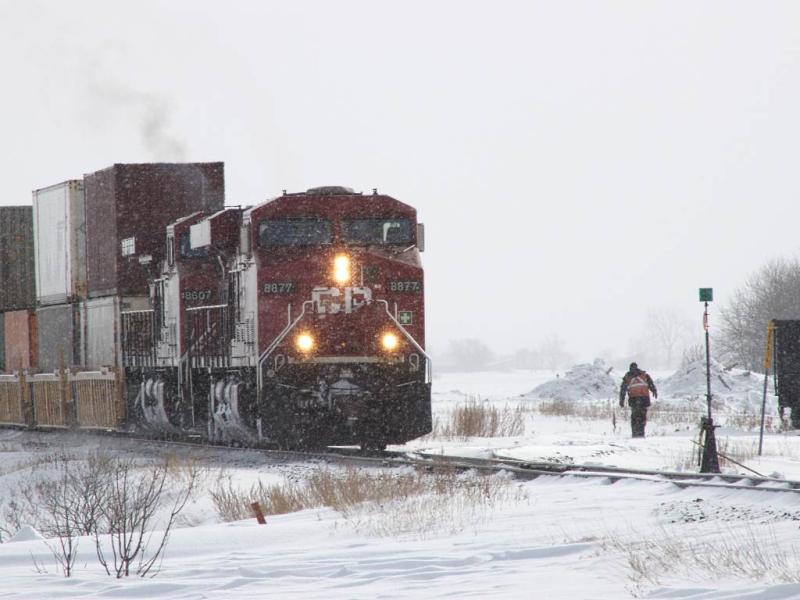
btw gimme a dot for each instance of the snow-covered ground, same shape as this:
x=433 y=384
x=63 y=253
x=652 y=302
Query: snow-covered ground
x=552 y=537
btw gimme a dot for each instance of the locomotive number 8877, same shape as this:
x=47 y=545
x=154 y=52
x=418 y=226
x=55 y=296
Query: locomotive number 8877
x=298 y=322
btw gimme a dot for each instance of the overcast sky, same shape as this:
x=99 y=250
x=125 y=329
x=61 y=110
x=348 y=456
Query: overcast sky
x=576 y=163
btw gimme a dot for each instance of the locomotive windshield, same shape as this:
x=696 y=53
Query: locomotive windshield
x=302 y=231
x=377 y=231
x=186 y=249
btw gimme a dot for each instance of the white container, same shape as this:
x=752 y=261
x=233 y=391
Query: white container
x=59 y=236
x=101 y=333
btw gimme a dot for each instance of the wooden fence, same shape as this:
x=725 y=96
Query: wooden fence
x=65 y=399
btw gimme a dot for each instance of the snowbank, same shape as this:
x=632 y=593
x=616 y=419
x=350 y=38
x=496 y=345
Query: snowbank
x=581 y=382
x=26 y=533
x=735 y=386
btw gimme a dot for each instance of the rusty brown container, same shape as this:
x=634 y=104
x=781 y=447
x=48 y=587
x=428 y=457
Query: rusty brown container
x=17 y=277
x=20 y=340
x=128 y=207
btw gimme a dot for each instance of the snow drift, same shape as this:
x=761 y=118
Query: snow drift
x=735 y=386
x=582 y=382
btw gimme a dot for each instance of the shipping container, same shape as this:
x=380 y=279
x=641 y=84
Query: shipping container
x=59 y=337
x=21 y=340
x=101 y=328
x=59 y=228
x=17 y=280
x=128 y=207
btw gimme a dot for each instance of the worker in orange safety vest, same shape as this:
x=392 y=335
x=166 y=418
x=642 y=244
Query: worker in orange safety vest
x=637 y=385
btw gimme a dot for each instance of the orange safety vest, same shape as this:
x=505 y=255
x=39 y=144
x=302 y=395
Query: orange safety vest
x=637 y=386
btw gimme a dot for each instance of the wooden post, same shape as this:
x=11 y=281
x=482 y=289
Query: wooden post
x=28 y=415
x=120 y=398
x=256 y=506
x=67 y=408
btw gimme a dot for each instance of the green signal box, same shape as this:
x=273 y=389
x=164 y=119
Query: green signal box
x=405 y=317
x=706 y=294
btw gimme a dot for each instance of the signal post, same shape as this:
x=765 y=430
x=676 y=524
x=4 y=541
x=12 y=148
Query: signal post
x=710 y=460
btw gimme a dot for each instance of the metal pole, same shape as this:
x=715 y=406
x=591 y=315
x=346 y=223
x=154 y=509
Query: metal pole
x=763 y=409
x=710 y=460
x=708 y=363
x=767 y=356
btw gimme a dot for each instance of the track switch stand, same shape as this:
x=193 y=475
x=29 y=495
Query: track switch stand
x=710 y=460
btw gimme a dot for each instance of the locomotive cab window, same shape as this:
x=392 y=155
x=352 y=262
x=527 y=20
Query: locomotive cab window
x=186 y=249
x=377 y=231
x=303 y=231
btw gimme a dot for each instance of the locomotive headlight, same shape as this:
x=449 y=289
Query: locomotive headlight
x=304 y=342
x=390 y=341
x=341 y=268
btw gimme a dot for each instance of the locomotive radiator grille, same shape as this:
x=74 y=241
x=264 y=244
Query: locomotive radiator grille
x=210 y=330
x=138 y=338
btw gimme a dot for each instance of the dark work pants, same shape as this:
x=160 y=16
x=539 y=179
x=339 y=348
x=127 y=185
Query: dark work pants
x=638 y=416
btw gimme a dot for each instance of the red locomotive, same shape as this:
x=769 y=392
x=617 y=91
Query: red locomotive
x=297 y=322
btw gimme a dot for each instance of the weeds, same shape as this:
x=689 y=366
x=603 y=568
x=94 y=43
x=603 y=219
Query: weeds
x=233 y=504
x=476 y=418
x=660 y=413
x=741 y=552
x=378 y=503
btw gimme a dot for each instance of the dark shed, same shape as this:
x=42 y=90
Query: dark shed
x=17 y=275
x=2 y=342
x=128 y=207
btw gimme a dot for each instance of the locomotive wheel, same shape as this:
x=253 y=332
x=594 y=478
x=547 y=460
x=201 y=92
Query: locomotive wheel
x=294 y=428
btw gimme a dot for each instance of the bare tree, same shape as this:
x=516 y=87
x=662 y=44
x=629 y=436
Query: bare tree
x=134 y=499
x=692 y=354
x=772 y=292
x=525 y=358
x=58 y=505
x=670 y=332
x=470 y=354
x=553 y=353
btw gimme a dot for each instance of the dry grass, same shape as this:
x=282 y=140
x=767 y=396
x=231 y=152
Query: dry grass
x=476 y=418
x=377 y=503
x=739 y=552
x=233 y=504
x=324 y=487
x=659 y=413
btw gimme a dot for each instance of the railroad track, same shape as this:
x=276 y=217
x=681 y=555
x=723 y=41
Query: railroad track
x=521 y=469
x=532 y=470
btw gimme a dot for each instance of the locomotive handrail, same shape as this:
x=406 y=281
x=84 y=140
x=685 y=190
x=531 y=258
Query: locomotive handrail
x=206 y=307
x=410 y=338
x=271 y=348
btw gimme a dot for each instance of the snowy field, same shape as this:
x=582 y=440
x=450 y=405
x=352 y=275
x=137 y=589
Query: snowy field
x=552 y=537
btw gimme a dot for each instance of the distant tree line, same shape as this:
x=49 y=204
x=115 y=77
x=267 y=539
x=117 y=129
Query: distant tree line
x=472 y=354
